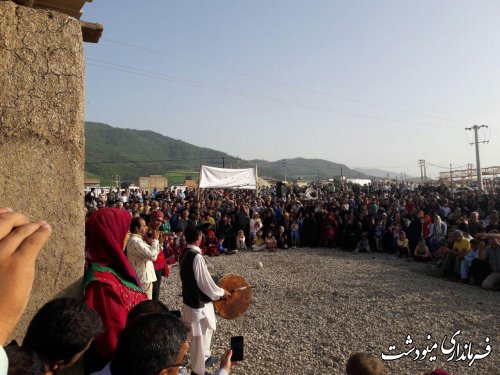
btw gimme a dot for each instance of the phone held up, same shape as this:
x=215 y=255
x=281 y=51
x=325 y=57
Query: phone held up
x=237 y=348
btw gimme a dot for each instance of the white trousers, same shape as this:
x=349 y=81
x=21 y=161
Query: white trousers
x=200 y=348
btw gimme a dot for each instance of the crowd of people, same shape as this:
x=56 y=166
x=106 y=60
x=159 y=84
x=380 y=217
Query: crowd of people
x=132 y=237
x=454 y=232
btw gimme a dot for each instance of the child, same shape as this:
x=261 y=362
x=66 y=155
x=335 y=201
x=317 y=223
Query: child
x=240 y=241
x=258 y=242
x=270 y=241
x=282 y=238
x=176 y=247
x=212 y=245
x=255 y=225
x=363 y=244
x=379 y=235
x=365 y=364
x=295 y=233
x=467 y=261
x=395 y=236
x=402 y=244
x=422 y=253
x=183 y=242
x=224 y=250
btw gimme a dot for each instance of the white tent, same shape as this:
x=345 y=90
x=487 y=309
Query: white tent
x=211 y=177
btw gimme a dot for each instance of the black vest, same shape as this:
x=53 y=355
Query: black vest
x=191 y=294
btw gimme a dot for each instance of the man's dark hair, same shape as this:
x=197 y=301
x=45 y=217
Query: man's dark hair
x=147 y=307
x=24 y=361
x=61 y=329
x=191 y=233
x=149 y=344
x=135 y=224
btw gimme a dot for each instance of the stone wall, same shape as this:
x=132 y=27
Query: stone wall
x=42 y=140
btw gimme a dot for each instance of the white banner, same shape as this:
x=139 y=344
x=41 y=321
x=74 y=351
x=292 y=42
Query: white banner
x=211 y=177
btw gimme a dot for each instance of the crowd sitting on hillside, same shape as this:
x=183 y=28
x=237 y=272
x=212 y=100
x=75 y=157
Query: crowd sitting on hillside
x=425 y=224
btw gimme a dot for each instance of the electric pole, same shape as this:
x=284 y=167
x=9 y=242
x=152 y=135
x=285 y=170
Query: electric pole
x=283 y=164
x=478 y=161
x=421 y=164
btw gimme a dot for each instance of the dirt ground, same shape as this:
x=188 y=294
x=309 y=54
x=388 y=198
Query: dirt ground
x=313 y=308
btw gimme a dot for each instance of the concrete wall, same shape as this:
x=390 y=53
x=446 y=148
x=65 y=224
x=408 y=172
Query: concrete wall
x=42 y=139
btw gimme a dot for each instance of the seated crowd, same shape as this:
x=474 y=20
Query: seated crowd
x=426 y=224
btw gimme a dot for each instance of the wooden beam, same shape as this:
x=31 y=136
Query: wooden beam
x=26 y=3
x=91 y=32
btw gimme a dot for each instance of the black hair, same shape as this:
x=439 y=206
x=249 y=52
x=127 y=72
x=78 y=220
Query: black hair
x=149 y=344
x=24 y=361
x=135 y=224
x=61 y=329
x=147 y=307
x=191 y=233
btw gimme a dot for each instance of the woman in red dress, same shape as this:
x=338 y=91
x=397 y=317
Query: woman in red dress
x=110 y=284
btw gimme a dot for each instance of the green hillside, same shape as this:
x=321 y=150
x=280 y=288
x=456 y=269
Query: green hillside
x=132 y=153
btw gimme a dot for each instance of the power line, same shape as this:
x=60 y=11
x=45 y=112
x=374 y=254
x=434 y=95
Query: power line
x=439 y=166
x=318 y=92
x=150 y=161
x=245 y=94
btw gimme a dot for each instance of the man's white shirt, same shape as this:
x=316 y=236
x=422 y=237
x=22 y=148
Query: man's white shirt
x=208 y=287
x=141 y=257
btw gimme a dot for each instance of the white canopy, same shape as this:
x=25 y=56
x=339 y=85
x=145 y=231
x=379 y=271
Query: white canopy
x=211 y=177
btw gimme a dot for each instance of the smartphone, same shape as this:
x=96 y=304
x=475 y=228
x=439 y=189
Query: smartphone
x=237 y=348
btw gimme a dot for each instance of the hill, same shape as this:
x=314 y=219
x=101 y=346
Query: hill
x=132 y=153
x=381 y=173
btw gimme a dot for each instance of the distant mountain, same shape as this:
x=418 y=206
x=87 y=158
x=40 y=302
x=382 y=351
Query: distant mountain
x=374 y=172
x=306 y=169
x=132 y=153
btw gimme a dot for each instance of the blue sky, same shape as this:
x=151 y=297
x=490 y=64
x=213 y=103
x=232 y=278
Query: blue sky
x=374 y=84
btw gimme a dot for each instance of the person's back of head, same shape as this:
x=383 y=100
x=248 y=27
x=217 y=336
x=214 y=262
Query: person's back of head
x=24 y=361
x=149 y=344
x=191 y=233
x=364 y=364
x=147 y=307
x=62 y=330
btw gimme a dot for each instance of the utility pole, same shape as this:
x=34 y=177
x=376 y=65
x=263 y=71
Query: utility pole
x=283 y=164
x=478 y=161
x=223 y=162
x=421 y=164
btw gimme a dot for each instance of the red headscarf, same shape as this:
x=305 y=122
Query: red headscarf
x=105 y=233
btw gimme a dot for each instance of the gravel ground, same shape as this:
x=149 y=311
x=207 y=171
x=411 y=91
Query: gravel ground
x=313 y=308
